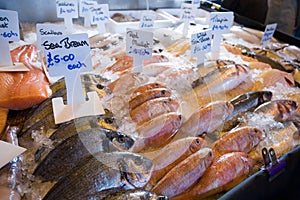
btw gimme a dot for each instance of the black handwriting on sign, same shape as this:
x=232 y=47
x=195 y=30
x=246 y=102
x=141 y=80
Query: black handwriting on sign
x=216 y=19
x=133 y=34
x=66 y=43
x=51 y=32
x=141 y=43
x=66 y=4
x=4 y=19
x=4 y=25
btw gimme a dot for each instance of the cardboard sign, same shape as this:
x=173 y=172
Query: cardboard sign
x=9 y=31
x=99 y=16
x=48 y=30
x=268 y=34
x=84 y=11
x=68 y=56
x=147 y=20
x=139 y=45
x=9 y=152
x=201 y=44
x=67 y=9
x=220 y=23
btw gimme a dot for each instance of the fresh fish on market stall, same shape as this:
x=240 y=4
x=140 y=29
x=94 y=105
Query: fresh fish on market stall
x=135 y=195
x=100 y=172
x=169 y=156
x=67 y=154
x=184 y=174
x=224 y=173
x=146 y=87
x=21 y=90
x=3 y=118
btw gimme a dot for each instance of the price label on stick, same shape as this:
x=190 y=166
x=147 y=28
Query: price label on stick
x=220 y=23
x=84 y=11
x=200 y=44
x=99 y=16
x=268 y=34
x=139 y=45
x=67 y=9
x=187 y=13
x=11 y=151
x=9 y=31
x=147 y=19
x=48 y=30
x=68 y=56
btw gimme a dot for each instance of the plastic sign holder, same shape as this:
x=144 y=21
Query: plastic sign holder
x=220 y=23
x=268 y=34
x=147 y=19
x=9 y=31
x=139 y=45
x=84 y=11
x=11 y=151
x=200 y=45
x=67 y=9
x=186 y=15
x=69 y=56
x=99 y=16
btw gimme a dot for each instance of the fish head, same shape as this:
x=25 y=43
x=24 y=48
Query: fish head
x=118 y=139
x=196 y=144
x=265 y=96
x=136 y=168
x=286 y=108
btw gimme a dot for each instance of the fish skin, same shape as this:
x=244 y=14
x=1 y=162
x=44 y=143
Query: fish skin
x=156 y=132
x=172 y=154
x=206 y=119
x=282 y=110
x=185 y=174
x=135 y=195
x=225 y=172
x=55 y=164
x=221 y=80
x=100 y=172
x=242 y=139
x=21 y=90
x=148 y=95
x=143 y=88
x=153 y=108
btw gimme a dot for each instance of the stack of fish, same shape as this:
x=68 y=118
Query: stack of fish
x=172 y=131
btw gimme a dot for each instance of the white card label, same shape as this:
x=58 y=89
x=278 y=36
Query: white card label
x=67 y=8
x=221 y=22
x=9 y=152
x=147 y=20
x=268 y=34
x=9 y=25
x=85 y=6
x=48 y=30
x=99 y=13
x=201 y=42
x=139 y=43
x=187 y=12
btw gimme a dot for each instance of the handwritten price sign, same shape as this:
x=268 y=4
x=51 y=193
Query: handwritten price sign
x=221 y=21
x=268 y=34
x=9 y=25
x=67 y=8
x=187 y=12
x=201 y=44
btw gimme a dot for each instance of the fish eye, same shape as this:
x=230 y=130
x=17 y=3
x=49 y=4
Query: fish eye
x=138 y=161
x=121 y=139
x=109 y=120
x=99 y=86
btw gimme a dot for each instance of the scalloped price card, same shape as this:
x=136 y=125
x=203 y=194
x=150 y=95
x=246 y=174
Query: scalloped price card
x=99 y=16
x=139 y=45
x=9 y=152
x=201 y=44
x=84 y=11
x=268 y=34
x=69 y=56
x=67 y=9
x=9 y=31
x=147 y=19
x=187 y=13
x=48 y=30
x=220 y=23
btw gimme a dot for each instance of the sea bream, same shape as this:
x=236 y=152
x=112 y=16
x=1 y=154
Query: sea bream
x=100 y=172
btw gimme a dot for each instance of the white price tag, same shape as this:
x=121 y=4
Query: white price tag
x=9 y=152
x=139 y=45
x=84 y=11
x=268 y=34
x=99 y=16
x=48 y=30
x=147 y=19
x=201 y=44
x=187 y=12
x=9 y=25
x=67 y=8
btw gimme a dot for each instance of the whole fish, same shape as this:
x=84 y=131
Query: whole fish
x=185 y=174
x=157 y=132
x=72 y=150
x=242 y=139
x=135 y=195
x=221 y=80
x=244 y=103
x=206 y=119
x=172 y=154
x=224 y=173
x=148 y=95
x=100 y=172
x=281 y=110
x=153 y=108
